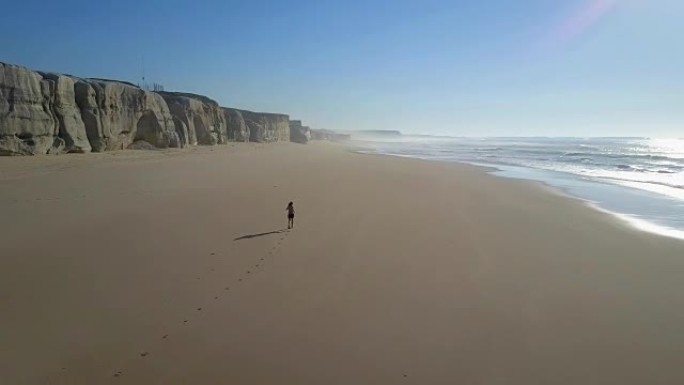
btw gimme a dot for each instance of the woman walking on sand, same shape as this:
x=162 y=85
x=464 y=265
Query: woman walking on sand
x=290 y=215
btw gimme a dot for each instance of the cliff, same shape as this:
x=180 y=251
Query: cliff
x=236 y=128
x=199 y=119
x=49 y=113
x=30 y=110
x=70 y=126
x=266 y=127
x=299 y=133
x=117 y=114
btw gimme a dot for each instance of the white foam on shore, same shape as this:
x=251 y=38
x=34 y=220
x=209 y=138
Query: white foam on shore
x=630 y=220
x=641 y=224
x=672 y=192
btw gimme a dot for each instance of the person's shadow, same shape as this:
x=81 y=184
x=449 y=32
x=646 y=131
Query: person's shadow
x=250 y=236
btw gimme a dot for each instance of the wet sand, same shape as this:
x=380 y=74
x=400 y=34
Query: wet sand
x=177 y=268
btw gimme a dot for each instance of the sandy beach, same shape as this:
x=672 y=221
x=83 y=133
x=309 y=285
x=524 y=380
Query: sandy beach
x=176 y=267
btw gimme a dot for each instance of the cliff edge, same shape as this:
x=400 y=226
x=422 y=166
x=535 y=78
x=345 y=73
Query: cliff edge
x=50 y=113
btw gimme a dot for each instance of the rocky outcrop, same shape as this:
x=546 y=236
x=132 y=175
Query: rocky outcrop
x=43 y=113
x=266 y=127
x=28 y=123
x=202 y=117
x=236 y=128
x=71 y=128
x=116 y=114
x=299 y=133
x=244 y=126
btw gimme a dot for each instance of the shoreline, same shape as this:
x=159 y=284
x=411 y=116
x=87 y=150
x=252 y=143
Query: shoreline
x=145 y=268
x=632 y=220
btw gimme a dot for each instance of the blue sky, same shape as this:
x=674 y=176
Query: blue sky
x=475 y=68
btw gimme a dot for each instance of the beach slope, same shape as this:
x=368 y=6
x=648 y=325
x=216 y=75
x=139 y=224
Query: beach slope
x=176 y=267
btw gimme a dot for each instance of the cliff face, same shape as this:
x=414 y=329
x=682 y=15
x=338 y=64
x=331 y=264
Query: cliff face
x=117 y=114
x=28 y=122
x=265 y=127
x=70 y=126
x=44 y=113
x=299 y=133
x=202 y=117
x=252 y=126
x=236 y=128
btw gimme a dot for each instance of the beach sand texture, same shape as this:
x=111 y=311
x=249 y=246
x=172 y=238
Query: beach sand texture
x=175 y=267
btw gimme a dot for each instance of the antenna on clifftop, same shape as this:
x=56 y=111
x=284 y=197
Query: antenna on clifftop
x=143 y=70
x=156 y=87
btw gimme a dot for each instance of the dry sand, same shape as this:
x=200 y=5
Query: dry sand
x=128 y=268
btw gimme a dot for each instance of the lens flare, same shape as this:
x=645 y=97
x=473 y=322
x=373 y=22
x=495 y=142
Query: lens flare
x=582 y=20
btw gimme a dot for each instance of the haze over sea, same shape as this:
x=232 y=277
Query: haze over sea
x=640 y=180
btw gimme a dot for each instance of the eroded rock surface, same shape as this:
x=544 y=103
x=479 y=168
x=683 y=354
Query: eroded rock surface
x=236 y=127
x=299 y=133
x=267 y=127
x=28 y=124
x=202 y=116
x=50 y=113
x=116 y=114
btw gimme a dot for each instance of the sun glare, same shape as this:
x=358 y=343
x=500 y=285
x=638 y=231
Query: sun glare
x=591 y=13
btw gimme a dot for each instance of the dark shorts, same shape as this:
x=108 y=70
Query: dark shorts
x=290 y=216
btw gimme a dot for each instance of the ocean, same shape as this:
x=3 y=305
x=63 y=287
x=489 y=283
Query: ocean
x=639 y=180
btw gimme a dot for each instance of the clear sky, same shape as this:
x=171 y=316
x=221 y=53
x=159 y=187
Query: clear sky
x=476 y=68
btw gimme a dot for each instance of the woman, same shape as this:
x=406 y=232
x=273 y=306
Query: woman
x=290 y=215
